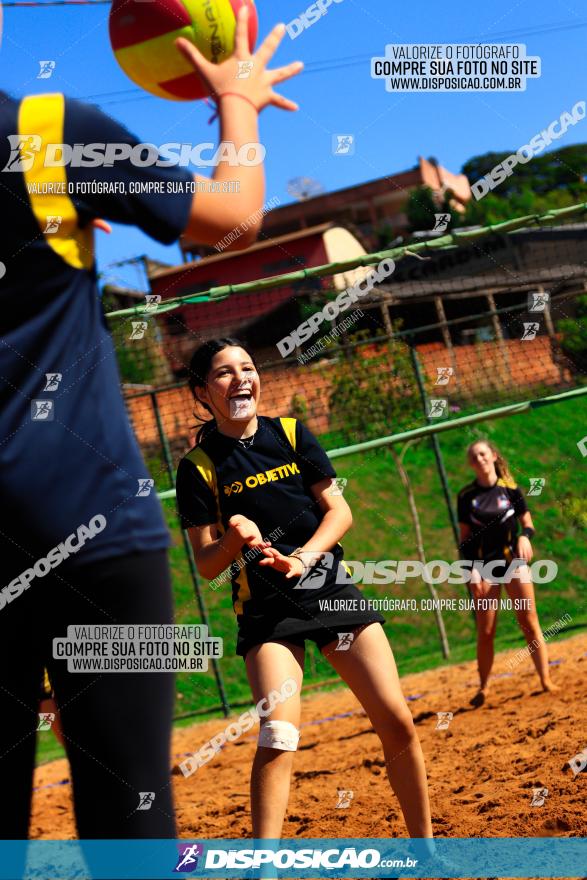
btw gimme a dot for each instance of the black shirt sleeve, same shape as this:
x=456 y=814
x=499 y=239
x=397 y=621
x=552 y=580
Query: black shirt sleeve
x=518 y=501
x=162 y=215
x=196 y=504
x=312 y=460
x=463 y=508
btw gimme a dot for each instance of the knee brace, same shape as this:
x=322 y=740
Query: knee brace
x=282 y=735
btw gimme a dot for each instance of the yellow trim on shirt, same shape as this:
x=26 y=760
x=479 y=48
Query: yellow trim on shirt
x=289 y=426
x=44 y=115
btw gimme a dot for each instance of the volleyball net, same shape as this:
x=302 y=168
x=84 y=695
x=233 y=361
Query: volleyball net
x=396 y=360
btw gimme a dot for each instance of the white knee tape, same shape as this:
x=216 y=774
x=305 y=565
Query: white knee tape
x=281 y=735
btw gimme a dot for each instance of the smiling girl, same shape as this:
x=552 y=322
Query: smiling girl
x=250 y=476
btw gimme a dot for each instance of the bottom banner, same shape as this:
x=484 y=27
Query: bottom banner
x=340 y=858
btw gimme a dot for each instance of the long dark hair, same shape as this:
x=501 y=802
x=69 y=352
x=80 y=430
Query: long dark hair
x=199 y=368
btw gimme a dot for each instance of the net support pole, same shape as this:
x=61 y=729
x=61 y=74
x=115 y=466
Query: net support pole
x=189 y=552
x=435 y=445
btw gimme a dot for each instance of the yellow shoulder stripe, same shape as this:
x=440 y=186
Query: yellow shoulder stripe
x=509 y=484
x=43 y=115
x=289 y=426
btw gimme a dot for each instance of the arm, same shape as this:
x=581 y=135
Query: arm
x=336 y=522
x=213 y=554
x=214 y=214
x=524 y=548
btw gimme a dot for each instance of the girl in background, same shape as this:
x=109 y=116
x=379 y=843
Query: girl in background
x=489 y=509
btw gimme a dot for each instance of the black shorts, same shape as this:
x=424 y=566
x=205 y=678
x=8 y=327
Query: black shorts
x=310 y=622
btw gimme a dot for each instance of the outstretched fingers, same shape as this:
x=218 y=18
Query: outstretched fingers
x=268 y=47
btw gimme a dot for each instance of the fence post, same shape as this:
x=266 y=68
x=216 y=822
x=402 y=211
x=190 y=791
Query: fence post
x=435 y=444
x=188 y=550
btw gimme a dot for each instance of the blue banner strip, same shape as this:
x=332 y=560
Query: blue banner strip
x=323 y=857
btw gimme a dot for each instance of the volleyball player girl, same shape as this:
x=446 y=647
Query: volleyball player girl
x=489 y=509
x=249 y=477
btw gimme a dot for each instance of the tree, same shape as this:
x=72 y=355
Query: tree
x=423 y=203
x=574 y=335
x=550 y=180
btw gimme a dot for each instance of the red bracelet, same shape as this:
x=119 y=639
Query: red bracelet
x=238 y=95
x=235 y=95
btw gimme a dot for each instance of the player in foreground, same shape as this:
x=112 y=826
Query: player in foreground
x=249 y=477
x=80 y=544
x=488 y=510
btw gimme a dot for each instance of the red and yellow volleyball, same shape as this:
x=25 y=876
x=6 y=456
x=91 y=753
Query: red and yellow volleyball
x=143 y=34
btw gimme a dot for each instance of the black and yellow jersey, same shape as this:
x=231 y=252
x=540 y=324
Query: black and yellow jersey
x=491 y=512
x=68 y=452
x=270 y=483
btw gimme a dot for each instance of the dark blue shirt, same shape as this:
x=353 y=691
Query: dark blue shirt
x=78 y=457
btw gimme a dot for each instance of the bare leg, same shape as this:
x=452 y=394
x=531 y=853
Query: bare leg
x=369 y=669
x=268 y=666
x=530 y=626
x=486 y=621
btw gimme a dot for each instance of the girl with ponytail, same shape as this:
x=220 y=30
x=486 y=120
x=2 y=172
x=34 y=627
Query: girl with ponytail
x=489 y=509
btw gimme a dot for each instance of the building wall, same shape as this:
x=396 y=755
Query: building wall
x=480 y=368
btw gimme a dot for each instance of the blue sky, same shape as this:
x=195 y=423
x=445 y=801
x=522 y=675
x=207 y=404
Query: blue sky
x=390 y=130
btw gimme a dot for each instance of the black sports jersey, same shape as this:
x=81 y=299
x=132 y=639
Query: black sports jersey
x=492 y=513
x=68 y=451
x=268 y=482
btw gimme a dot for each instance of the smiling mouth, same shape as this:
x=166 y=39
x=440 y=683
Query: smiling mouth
x=241 y=395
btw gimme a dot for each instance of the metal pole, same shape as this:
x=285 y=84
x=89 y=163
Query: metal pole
x=189 y=552
x=435 y=445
